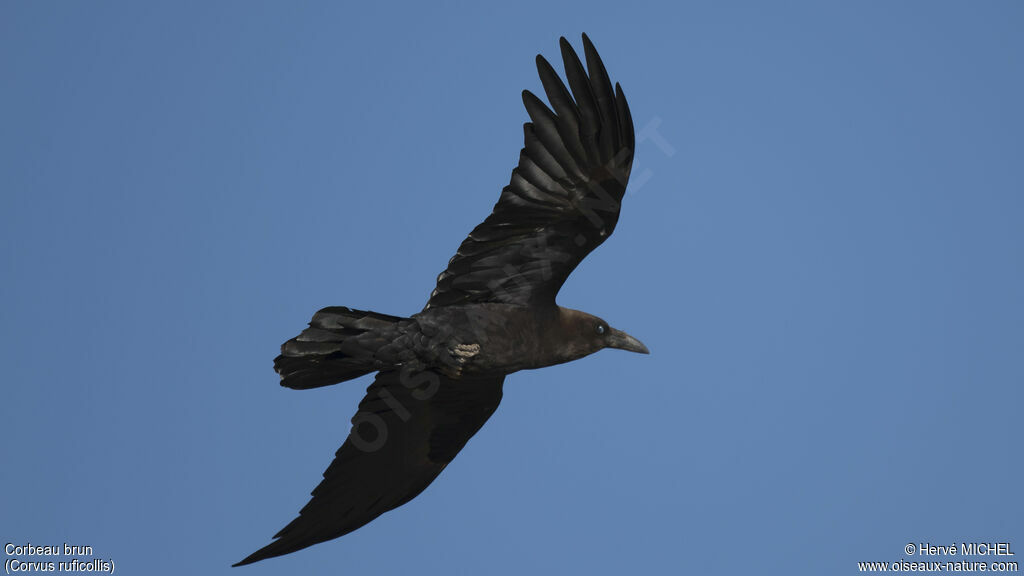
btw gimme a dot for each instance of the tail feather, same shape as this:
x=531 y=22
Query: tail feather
x=339 y=345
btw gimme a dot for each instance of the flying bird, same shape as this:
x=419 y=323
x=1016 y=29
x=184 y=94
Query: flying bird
x=493 y=312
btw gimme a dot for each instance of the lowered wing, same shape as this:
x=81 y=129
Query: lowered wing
x=406 y=430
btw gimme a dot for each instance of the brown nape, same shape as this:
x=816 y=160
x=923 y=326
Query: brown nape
x=585 y=334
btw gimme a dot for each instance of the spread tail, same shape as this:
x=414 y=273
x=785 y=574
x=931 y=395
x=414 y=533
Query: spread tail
x=339 y=345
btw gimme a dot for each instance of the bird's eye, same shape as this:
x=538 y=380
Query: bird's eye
x=600 y=329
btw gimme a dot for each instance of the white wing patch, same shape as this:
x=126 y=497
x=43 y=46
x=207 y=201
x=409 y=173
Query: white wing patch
x=466 y=351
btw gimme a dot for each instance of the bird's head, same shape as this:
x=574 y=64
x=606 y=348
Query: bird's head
x=585 y=334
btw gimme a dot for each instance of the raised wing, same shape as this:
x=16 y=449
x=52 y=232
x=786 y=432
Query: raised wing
x=564 y=197
x=407 y=429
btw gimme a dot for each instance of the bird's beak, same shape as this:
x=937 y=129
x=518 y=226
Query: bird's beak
x=622 y=341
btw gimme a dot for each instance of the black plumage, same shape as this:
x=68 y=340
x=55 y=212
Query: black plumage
x=440 y=372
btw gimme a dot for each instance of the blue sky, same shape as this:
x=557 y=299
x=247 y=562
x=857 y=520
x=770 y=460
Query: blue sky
x=822 y=247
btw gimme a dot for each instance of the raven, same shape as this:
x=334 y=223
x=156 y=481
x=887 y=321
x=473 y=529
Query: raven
x=440 y=372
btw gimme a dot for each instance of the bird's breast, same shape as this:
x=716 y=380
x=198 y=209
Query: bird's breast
x=482 y=338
